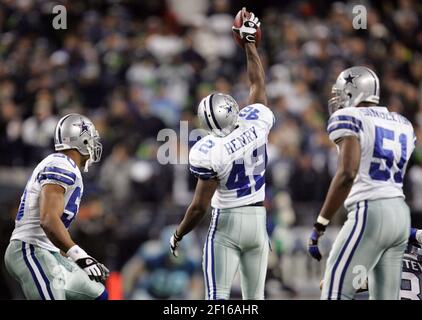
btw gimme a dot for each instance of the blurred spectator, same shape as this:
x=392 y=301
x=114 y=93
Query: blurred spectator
x=154 y=273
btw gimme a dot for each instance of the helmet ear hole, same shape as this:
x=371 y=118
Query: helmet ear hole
x=85 y=141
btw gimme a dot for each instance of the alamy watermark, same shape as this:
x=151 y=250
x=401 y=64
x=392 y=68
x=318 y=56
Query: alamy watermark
x=359 y=17
x=60 y=18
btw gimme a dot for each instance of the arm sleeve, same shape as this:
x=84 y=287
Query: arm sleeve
x=345 y=122
x=200 y=165
x=57 y=172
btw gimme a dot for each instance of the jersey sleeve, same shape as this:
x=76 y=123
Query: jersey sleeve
x=345 y=122
x=259 y=113
x=58 y=172
x=200 y=163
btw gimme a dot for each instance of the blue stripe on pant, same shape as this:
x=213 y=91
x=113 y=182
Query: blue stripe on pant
x=346 y=254
x=213 y=258
x=209 y=266
x=353 y=250
x=25 y=258
x=47 y=282
x=38 y=275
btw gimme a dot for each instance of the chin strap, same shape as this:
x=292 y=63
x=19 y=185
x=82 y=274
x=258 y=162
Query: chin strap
x=89 y=161
x=357 y=100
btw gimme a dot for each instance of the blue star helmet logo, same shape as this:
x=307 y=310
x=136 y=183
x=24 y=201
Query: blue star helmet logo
x=351 y=79
x=229 y=109
x=83 y=126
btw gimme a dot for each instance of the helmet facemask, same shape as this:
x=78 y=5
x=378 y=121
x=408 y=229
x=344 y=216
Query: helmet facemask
x=334 y=103
x=341 y=99
x=95 y=150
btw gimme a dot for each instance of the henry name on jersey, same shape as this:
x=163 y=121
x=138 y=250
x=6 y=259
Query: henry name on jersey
x=241 y=140
x=237 y=160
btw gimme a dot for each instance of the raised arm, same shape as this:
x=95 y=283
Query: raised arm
x=247 y=33
x=256 y=75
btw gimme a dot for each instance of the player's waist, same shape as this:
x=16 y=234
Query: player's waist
x=370 y=194
x=252 y=209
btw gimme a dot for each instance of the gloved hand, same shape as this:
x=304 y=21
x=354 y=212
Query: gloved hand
x=415 y=236
x=249 y=27
x=174 y=243
x=317 y=232
x=96 y=271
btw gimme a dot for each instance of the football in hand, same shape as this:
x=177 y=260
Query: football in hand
x=237 y=23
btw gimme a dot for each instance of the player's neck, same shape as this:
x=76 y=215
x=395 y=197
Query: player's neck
x=75 y=156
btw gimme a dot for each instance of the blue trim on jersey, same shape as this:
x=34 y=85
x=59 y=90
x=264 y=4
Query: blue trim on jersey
x=103 y=296
x=65 y=172
x=46 y=176
x=343 y=274
x=339 y=126
x=21 y=207
x=37 y=263
x=37 y=284
x=354 y=120
x=58 y=174
x=200 y=169
x=212 y=256
x=203 y=173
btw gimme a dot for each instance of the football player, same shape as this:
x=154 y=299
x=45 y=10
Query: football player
x=374 y=148
x=411 y=278
x=49 y=204
x=230 y=166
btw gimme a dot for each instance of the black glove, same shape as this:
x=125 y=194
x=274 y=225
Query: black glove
x=96 y=271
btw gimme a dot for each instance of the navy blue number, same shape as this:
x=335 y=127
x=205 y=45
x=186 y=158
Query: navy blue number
x=206 y=146
x=250 y=113
x=388 y=155
x=21 y=209
x=71 y=208
x=398 y=176
x=260 y=159
x=239 y=181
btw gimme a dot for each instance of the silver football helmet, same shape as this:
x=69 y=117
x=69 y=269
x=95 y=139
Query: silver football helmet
x=218 y=114
x=353 y=86
x=75 y=131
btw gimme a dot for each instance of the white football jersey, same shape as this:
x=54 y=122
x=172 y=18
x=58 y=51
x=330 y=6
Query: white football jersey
x=58 y=169
x=387 y=141
x=237 y=160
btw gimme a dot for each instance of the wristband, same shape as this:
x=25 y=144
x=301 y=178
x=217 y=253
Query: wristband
x=76 y=253
x=323 y=221
x=177 y=237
